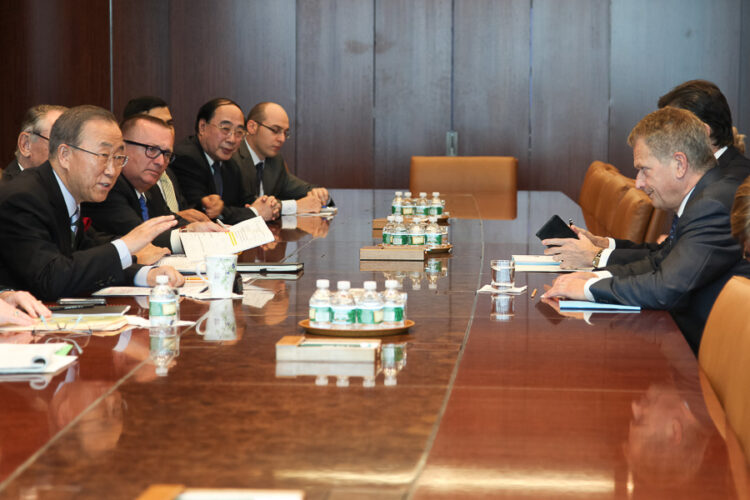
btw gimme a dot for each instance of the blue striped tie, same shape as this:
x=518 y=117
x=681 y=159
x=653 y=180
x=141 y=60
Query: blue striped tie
x=144 y=208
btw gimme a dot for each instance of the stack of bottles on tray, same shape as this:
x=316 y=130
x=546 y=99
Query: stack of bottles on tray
x=366 y=309
x=404 y=204
x=420 y=227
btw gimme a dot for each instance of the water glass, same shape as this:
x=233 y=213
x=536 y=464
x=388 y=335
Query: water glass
x=503 y=273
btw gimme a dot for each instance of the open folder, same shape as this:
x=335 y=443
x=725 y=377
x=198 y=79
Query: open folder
x=34 y=358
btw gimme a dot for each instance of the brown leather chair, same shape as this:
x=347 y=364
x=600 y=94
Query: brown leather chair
x=724 y=356
x=491 y=179
x=633 y=216
x=596 y=176
x=613 y=189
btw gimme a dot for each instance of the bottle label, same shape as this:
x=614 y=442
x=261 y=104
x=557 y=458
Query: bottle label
x=393 y=314
x=387 y=238
x=156 y=309
x=434 y=239
x=417 y=239
x=396 y=209
x=370 y=316
x=344 y=315
x=399 y=239
x=434 y=266
x=320 y=315
x=436 y=210
x=422 y=209
x=407 y=210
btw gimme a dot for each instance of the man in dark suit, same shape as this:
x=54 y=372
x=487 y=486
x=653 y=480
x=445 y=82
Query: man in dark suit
x=168 y=184
x=209 y=178
x=708 y=103
x=135 y=196
x=45 y=248
x=264 y=170
x=672 y=154
x=32 y=149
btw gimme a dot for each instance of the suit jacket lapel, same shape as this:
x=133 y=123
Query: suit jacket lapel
x=60 y=210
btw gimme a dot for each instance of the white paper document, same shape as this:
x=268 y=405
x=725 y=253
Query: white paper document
x=182 y=263
x=541 y=264
x=247 y=234
x=585 y=305
x=33 y=358
x=513 y=290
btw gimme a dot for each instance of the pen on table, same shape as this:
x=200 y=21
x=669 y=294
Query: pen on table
x=218 y=221
x=68 y=307
x=533 y=293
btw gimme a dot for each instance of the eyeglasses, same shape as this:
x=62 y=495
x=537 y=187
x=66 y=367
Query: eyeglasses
x=34 y=132
x=276 y=130
x=225 y=130
x=118 y=161
x=153 y=152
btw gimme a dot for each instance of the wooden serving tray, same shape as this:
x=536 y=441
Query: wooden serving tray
x=345 y=332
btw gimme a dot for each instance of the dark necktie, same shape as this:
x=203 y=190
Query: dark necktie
x=144 y=208
x=673 y=229
x=259 y=177
x=218 y=180
x=74 y=227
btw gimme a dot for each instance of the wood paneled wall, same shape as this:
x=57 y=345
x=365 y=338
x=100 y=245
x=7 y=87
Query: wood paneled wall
x=369 y=83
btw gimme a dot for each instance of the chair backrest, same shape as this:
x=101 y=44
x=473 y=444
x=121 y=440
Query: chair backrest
x=633 y=216
x=724 y=355
x=613 y=189
x=494 y=179
x=596 y=176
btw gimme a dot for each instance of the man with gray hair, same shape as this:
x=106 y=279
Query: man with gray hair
x=675 y=164
x=46 y=248
x=32 y=148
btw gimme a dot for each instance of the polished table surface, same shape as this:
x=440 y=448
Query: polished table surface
x=531 y=404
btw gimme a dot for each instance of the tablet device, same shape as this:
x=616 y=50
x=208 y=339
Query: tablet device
x=555 y=228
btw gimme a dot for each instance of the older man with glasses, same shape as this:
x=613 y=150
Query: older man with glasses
x=46 y=248
x=135 y=197
x=32 y=148
x=205 y=168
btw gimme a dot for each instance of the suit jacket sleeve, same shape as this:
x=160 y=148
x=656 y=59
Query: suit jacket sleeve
x=286 y=186
x=703 y=250
x=33 y=255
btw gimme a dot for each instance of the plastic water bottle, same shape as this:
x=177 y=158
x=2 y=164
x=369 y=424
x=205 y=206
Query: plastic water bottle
x=397 y=204
x=162 y=303
x=370 y=307
x=400 y=235
x=393 y=304
x=342 y=306
x=436 y=204
x=320 y=305
x=416 y=232
x=408 y=204
x=388 y=230
x=422 y=205
x=433 y=234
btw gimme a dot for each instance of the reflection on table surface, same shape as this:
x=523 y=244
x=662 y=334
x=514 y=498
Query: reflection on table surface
x=500 y=397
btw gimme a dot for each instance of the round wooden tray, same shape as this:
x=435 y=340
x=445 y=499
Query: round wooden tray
x=341 y=332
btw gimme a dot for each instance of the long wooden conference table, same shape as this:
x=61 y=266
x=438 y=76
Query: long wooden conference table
x=483 y=399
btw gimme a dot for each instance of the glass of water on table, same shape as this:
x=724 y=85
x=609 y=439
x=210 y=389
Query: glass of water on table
x=503 y=273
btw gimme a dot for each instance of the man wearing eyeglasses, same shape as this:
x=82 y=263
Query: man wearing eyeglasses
x=205 y=168
x=135 y=196
x=32 y=149
x=45 y=247
x=264 y=170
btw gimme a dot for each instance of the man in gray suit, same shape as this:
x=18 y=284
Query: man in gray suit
x=33 y=141
x=264 y=171
x=672 y=154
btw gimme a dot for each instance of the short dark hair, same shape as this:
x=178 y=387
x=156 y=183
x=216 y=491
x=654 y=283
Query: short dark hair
x=208 y=110
x=142 y=104
x=258 y=113
x=132 y=121
x=67 y=129
x=707 y=102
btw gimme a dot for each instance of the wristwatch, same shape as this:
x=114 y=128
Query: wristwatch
x=597 y=258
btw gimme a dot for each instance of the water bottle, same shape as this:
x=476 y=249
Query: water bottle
x=416 y=232
x=408 y=204
x=388 y=230
x=399 y=236
x=320 y=305
x=433 y=234
x=396 y=205
x=422 y=205
x=436 y=204
x=393 y=305
x=370 y=307
x=342 y=306
x=162 y=303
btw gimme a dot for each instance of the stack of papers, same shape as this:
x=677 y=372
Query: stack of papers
x=34 y=358
x=541 y=264
x=247 y=234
